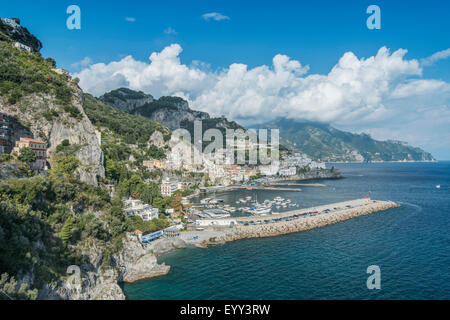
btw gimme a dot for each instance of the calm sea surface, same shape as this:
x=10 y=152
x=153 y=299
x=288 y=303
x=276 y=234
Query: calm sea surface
x=410 y=244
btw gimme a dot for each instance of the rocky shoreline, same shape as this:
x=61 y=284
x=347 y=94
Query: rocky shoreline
x=136 y=261
x=91 y=281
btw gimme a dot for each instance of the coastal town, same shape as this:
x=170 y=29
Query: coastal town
x=103 y=183
x=189 y=215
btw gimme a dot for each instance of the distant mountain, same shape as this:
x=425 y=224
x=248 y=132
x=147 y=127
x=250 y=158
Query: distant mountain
x=322 y=141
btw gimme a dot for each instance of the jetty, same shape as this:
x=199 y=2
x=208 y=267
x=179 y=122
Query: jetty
x=317 y=185
x=270 y=188
x=235 y=228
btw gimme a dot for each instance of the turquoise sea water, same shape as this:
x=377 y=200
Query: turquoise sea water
x=411 y=244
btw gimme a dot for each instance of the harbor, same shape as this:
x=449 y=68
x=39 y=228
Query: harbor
x=216 y=231
x=215 y=208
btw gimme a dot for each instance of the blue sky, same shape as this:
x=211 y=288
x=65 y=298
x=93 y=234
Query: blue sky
x=315 y=33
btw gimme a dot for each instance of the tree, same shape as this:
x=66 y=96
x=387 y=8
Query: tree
x=66 y=231
x=66 y=166
x=51 y=62
x=159 y=203
x=176 y=202
x=27 y=155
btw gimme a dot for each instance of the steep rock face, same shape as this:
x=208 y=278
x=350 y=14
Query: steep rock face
x=29 y=121
x=172 y=118
x=135 y=263
x=125 y=99
x=13 y=29
x=96 y=283
x=169 y=111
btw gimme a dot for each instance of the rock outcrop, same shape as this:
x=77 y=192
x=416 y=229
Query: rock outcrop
x=29 y=121
x=94 y=281
x=13 y=29
x=135 y=263
x=169 y=111
x=125 y=99
x=168 y=245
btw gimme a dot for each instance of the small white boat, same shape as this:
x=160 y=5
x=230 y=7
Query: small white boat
x=438 y=186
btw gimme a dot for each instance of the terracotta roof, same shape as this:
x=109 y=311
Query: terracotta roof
x=138 y=231
x=33 y=140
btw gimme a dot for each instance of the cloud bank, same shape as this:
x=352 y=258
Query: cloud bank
x=369 y=94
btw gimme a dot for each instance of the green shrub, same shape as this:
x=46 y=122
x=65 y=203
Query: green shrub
x=72 y=110
x=27 y=155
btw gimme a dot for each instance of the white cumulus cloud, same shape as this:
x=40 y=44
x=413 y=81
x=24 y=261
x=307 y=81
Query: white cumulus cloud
x=361 y=89
x=374 y=92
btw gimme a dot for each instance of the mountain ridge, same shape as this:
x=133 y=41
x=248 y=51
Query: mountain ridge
x=318 y=140
x=324 y=142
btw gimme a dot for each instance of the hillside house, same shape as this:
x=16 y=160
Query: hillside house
x=39 y=148
x=134 y=207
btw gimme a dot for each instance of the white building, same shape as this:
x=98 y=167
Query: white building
x=270 y=170
x=168 y=188
x=135 y=207
x=19 y=45
x=215 y=222
x=185 y=201
x=286 y=172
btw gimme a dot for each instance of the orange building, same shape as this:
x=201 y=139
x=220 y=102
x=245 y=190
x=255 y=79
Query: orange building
x=39 y=148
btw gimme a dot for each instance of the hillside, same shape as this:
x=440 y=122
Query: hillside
x=66 y=216
x=43 y=103
x=172 y=112
x=321 y=141
x=13 y=29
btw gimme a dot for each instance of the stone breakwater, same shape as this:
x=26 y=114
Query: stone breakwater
x=307 y=220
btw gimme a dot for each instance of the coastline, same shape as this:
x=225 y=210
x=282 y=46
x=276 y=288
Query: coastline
x=221 y=235
x=361 y=207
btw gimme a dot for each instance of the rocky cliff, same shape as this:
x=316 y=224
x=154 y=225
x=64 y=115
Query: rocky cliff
x=44 y=103
x=125 y=99
x=29 y=120
x=168 y=111
x=97 y=282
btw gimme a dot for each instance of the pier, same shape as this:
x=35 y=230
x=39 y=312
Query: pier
x=317 y=185
x=285 y=222
x=271 y=188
